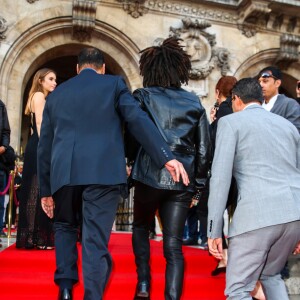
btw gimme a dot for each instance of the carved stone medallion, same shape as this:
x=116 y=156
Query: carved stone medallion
x=200 y=45
x=3 y=28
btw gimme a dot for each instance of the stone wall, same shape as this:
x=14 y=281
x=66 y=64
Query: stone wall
x=223 y=37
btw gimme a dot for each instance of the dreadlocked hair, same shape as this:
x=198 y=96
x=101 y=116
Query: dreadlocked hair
x=165 y=65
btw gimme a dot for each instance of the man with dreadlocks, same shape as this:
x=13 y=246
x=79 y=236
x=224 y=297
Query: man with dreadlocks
x=182 y=121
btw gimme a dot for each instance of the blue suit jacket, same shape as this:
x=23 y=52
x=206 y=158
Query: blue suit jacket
x=81 y=138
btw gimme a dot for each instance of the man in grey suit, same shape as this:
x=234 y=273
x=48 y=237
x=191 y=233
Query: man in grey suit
x=270 y=80
x=262 y=151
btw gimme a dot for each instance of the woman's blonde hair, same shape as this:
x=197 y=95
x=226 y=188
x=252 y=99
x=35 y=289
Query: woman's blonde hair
x=36 y=86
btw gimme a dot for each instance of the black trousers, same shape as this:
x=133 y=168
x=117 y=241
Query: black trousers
x=99 y=205
x=173 y=207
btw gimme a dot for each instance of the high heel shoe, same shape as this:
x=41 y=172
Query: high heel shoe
x=218 y=270
x=142 y=291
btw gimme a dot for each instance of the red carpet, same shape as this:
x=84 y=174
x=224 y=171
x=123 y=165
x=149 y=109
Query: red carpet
x=28 y=274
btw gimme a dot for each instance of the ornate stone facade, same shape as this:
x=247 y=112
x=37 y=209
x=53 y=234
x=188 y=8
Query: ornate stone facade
x=231 y=37
x=234 y=37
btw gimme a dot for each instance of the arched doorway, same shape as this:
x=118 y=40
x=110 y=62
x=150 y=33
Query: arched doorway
x=51 y=44
x=51 y=41
x=255 y=63
x=65 y=68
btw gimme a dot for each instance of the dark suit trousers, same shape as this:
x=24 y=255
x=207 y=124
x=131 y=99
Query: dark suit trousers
x=99 y=206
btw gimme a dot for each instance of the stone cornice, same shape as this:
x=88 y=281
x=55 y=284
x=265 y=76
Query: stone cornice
x=83 y=19
x=250 y=16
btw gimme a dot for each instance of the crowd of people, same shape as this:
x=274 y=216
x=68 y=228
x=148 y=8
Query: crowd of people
x=185 y=169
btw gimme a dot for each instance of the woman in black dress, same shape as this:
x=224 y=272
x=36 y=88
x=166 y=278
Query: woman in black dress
x=34 y=228
x=222 y=108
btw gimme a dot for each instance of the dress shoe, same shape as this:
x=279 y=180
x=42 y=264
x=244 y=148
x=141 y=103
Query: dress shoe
x=65 y=294
x=218 y=270
x=142 y=291
x=190 y=242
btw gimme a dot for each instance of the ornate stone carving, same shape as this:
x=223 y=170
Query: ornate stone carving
x=200 y=45
x=84 y=16
x=222 y=55
x=258 y=15
x=3 y=28
x=255 y=15
x=248 y=30
x=136 y=8
x=191 y=10
x=288 y=50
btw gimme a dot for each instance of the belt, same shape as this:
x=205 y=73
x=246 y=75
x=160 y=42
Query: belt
x=182 y=149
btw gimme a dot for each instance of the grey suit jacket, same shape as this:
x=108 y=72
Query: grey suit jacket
x=287 y=108
x=262 y=151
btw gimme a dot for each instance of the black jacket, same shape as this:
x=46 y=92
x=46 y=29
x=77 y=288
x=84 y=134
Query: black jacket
x=4 y=137
x=183 y=123
x=4 y=126
x=224 y=109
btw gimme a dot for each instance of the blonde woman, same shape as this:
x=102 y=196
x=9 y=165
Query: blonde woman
x=34 y=228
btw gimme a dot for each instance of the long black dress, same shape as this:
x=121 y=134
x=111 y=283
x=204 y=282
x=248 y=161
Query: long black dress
x=34 y=228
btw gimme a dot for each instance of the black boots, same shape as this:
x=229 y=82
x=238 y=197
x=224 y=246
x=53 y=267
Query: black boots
x=142 y=291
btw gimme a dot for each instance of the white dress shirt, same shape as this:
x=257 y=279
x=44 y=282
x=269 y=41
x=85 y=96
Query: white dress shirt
x=268 y=106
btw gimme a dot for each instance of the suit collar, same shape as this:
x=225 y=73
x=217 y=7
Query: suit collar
x=253 y=106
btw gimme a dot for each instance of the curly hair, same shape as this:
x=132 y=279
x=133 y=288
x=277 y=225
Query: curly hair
x=165 y=65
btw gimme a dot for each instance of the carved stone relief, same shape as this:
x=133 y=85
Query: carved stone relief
x=259 y=15
x=136 y=8
x=3 y=28
x=84 y=16
x=288 y=50
x=191 y=10
x=200 y=45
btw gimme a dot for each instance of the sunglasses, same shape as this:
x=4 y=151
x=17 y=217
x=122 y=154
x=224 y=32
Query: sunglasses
x=267 y=75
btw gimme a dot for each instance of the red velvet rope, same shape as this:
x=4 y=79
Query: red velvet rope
x=15 y=198
x=6 y=189
x=7 y=186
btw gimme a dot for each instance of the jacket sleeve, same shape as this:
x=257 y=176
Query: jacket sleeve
x=44 y=154
x=221 y=175
x=141 y=126
x=5 y=134
x=293 y=113
x=203 y=152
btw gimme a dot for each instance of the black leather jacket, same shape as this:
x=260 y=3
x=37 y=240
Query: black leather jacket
x=183 y=123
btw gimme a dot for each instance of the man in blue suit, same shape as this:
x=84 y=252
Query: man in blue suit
x=81 y=161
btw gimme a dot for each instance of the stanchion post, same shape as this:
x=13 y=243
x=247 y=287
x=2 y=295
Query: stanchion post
x=10 y=203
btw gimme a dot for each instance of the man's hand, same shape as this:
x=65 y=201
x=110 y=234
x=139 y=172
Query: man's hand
x=176 y=170
x=2 y=149
x=48 y=206
x=215 y=247
x=298 y=89
x=297 y=249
